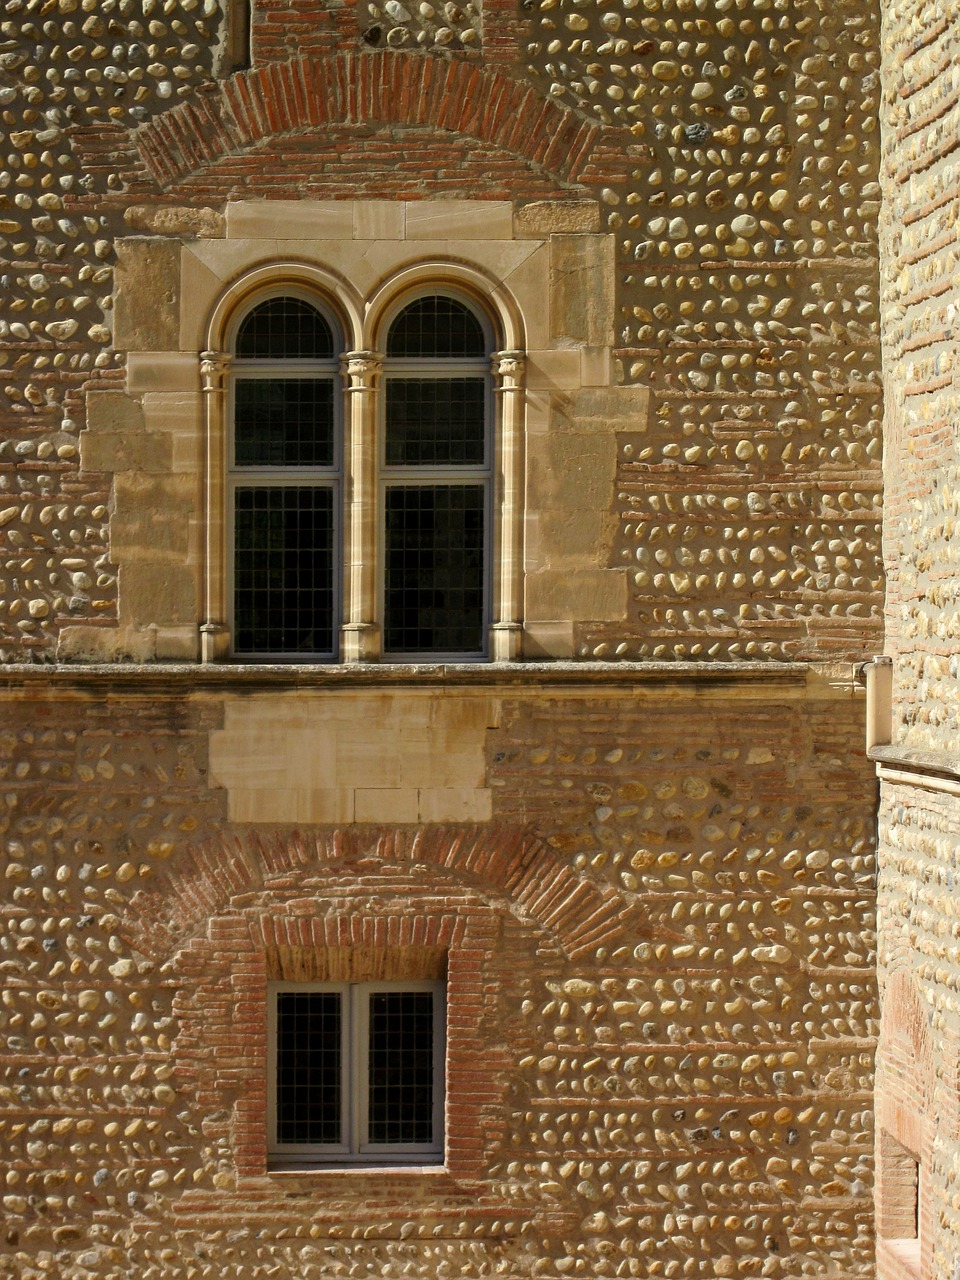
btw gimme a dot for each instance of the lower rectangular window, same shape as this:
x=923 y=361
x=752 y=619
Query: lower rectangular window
x=356 y=1072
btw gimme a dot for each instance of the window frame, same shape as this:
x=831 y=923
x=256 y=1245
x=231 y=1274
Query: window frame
x=433 y=476
x=355 y=1149
x=359 y=320
x=289 y=476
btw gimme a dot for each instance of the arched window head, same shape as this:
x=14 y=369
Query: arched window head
x=284 y=480
x=437 y=327
x=436 y=469
x=284 y=328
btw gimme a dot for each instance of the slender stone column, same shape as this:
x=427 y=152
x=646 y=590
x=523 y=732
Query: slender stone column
x=360 y=634
x=214 y=632
x=507 y=628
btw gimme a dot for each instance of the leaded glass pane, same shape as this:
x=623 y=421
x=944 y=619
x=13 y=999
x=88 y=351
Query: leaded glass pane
x=309 y=1067
x=283 y=422
x=436 y=421
x=284 y=329
x=434 y=569
x=283 y=569
x=401 y=1067
x=437 y=327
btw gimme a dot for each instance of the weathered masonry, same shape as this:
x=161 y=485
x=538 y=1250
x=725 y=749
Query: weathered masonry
x=439 y=505
x=916 y=746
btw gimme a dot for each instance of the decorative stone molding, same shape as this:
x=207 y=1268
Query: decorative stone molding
x=214 y=367
x=214 y=633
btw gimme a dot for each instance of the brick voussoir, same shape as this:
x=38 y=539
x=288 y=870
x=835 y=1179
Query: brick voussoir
x=367 y=88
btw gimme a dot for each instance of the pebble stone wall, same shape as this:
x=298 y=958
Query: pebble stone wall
x=920 y=822
x=666 y=1069
x=681 y=1088
x=743 y=199
x=920 y=297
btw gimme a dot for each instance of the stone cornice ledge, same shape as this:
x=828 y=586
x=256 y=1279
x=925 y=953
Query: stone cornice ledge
x=182 y=679
x=934 y=770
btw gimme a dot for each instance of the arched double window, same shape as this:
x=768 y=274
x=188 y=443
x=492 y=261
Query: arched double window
x=360 y=487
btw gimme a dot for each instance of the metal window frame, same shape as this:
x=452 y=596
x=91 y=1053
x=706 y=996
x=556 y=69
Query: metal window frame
x=354 y=1093
x=431 y=476
x=329 y=477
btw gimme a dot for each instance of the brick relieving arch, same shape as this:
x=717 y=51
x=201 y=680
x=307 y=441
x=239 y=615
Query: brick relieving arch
x=375 y=90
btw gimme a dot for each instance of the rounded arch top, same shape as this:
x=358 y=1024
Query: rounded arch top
x=437 y=324
x=905 y=1062
x=334 y=296
x=284 y=325
x=484 y=295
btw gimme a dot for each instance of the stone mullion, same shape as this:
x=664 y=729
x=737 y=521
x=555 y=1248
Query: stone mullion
x=506 y=631
x=360 y=634
x=214 y=632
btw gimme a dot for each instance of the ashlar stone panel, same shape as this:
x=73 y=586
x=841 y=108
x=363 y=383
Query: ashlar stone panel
x=365 y=758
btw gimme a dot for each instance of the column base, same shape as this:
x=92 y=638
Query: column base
x=214 y=642
x=506 y=639
x=360 y=642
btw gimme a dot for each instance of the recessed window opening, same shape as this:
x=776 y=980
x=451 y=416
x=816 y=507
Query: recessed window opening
x=899 y=1205
x=356 y=1072
x=284 y=481
x=436 y=480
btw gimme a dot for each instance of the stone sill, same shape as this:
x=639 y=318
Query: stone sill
x=189 y=678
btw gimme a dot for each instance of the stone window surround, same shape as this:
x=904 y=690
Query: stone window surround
x=543 y=272
x=363 y=322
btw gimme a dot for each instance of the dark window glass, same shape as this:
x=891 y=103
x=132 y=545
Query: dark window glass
x=434 y=569
x=283 y=569
x=436 y=421
x=283 y=422
x=436 y=327
x=308 y=1066
x=401 y=1067
x=284 y=329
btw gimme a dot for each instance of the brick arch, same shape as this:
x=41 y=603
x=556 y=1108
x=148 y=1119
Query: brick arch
x=377 y=89
x=206 y=877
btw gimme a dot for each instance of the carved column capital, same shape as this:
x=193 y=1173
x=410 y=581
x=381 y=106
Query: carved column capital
x=362 y=369
x=507 y=367
x=214 y=366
